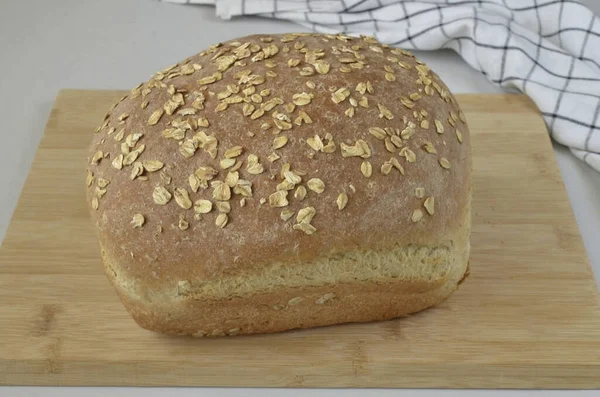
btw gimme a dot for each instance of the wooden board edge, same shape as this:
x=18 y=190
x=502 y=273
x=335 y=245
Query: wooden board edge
x=455 y=376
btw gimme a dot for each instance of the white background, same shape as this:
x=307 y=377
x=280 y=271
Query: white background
x=115 y=44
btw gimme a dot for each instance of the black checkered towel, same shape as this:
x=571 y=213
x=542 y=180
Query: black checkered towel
x=548 y=49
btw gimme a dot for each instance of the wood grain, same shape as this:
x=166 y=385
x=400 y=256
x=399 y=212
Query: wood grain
x=528 y=317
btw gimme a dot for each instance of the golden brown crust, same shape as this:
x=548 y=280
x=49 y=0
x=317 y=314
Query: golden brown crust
x=241 y=316
x=289 y=308
x=163 y=233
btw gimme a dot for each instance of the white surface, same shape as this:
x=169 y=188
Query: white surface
x=115 y=44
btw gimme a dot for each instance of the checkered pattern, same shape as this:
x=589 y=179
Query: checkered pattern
x=547 y=49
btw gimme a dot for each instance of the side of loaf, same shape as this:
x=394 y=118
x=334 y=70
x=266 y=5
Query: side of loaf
x=287 y=181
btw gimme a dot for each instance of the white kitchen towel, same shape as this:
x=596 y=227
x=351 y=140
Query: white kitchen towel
x=547 y=49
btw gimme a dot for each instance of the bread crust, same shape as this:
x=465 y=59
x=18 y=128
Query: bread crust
x=290 y=307
x=150 y=249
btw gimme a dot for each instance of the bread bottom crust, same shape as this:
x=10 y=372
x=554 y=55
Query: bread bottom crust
x=284 y=308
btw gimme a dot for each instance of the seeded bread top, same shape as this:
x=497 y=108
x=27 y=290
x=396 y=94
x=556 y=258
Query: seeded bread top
x=278 y=149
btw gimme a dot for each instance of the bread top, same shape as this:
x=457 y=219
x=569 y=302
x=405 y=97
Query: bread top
x=278 y=149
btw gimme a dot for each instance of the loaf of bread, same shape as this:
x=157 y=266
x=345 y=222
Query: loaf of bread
x=275 y=182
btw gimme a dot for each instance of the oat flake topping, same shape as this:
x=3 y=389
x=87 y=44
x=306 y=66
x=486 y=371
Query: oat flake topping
x=181 y=107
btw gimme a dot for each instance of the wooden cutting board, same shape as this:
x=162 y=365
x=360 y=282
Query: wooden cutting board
x=528 y=317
